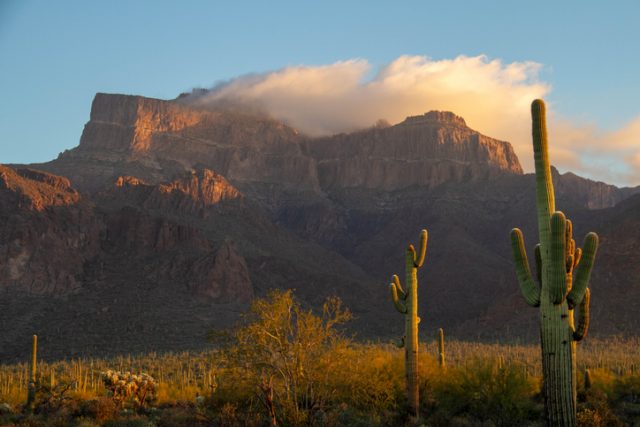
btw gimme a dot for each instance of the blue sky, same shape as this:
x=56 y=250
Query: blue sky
x=56 y=55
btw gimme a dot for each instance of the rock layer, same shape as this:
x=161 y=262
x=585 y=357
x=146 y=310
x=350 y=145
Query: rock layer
x=424 y=151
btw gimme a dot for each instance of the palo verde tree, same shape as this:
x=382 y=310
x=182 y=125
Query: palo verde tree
x=286 y=353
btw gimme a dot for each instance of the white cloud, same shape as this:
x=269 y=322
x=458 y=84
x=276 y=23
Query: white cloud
x=494 y=98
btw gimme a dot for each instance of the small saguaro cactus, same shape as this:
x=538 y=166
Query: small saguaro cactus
x=441 y=347
x=563 y=276
x=406 y=302
x=587 y=379
x=31 y=393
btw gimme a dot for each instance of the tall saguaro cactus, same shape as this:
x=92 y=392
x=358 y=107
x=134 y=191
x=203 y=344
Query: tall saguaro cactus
x=563 y=277
x=406 y=302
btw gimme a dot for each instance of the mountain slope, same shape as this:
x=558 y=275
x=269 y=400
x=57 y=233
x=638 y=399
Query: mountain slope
x=196 y=211
x=145 y=266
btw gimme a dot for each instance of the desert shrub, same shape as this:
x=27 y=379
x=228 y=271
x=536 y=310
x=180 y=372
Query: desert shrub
x=625 y=398
x=484 y=391
x=594 y=410
x=100 y=409
x=367 y=377
x=129 y=422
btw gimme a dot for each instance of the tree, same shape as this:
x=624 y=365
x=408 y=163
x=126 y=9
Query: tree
x=287 y=352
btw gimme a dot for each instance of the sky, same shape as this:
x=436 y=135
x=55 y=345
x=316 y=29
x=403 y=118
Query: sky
x=335 y=66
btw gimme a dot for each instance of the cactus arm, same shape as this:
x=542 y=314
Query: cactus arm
x=583 y=323
x=583 y=272
x=400 y=289
x=568 y=234
x=399 y=305
x=577 y=255
x=423 y=249
x=545 y=199
x=557 y=265
x=528 y=287
x=411 y=253
x=536 y=251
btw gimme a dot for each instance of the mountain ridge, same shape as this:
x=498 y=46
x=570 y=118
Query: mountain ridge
x=199 y=211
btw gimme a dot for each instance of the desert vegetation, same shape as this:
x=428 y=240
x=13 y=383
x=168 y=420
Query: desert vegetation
x=288 y=365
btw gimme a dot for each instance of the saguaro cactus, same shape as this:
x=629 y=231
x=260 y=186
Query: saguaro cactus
x=587 y=379
x=441 y=347
x=31 y=393
x=559 y=290
x=406 y=302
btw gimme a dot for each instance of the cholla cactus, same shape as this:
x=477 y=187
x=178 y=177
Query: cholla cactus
x=124 y=386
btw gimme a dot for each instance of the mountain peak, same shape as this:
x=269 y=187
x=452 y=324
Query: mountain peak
x=434 y=116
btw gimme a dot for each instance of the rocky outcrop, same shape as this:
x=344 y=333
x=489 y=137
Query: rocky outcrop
x=224 y=279
x=34 y=190
x=424 y=151
x=193 y=193
x=154 y=139
x=46 y=233
x=51 y=241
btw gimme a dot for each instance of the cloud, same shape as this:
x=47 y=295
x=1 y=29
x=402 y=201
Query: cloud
x=493 y=97
x=609 y=156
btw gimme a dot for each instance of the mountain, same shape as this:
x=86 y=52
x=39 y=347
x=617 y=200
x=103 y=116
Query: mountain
x=141 y=267
x=167 y=219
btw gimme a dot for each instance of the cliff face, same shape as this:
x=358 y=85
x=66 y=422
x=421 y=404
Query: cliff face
x=46 y=233
x=35 y=190
x=592 y=194
x=154 y=139
x=425 y=151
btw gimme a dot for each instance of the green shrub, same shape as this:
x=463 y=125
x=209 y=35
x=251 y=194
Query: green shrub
x=484 y=391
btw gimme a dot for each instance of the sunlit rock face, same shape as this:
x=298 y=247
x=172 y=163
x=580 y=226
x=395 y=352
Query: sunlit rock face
x=426 y=151
x=46 y=233
x=52 y=242
x=35 y=190
x=155 y=139
x=193 y=192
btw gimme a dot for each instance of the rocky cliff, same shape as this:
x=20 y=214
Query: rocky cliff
x=46 y=233
x=155 y=139
x=425 y=151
